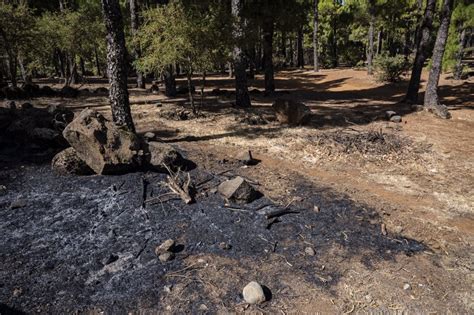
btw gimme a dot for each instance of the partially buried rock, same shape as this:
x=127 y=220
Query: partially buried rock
x=239 y=190
x=106 y=148
x=390 y=113
x=160 y=154
x=291 y=112
x=166 y=257
x=149 y=136
x=19 y=203
x=67 y=162
x=166 y=246
x=396 y=119
x=225 y=246
x=253 y=293
x=309 y=251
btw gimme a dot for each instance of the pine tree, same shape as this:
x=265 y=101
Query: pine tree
x=240 y=63
x=117 y=65
x=431 y=95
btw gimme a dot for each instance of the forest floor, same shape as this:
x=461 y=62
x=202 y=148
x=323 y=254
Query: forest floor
x=395 y=225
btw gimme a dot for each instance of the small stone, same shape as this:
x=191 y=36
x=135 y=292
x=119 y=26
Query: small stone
x=396 y=119
x=224 y=245
x=19 y=203
x=17 y=292
x=149 y=136
x=203 y=308
x=168 y=288
x=253 y=293
x=3 y=190
x=398 y=229
x=309 y=251
x=238 y=189
x=316 y=209
x=166 y=257
x=406 y=286
x=383 y=229
x=390 y=113
x=166 y=246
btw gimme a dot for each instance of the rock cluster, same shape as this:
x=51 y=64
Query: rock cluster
x=107 y=149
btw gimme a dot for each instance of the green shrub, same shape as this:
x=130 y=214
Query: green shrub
x=390 y=69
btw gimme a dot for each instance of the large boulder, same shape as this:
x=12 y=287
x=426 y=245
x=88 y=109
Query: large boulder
x=160 y=154
x=106 y=148
x=291 y=112
x=67 y=162
x=69 y=92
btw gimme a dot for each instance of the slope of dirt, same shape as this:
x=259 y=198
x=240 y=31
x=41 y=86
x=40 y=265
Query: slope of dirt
x=394 y=231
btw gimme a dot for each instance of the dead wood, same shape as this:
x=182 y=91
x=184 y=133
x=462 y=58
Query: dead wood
x=180 y=183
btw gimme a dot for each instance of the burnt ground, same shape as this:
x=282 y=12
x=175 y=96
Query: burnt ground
x=87 y=241
x=394 y=231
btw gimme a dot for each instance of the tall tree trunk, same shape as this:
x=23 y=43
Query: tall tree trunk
x=315 y=35
x=292 y=52
x=299 y=47
x=83 y=66
x=189 y=75
x=370 y=48
x=268 y=29
x=379 y=41
x=117 y=65
x=460 y=54
x=170 y=82
x=242 y=98
x=335 y=58
x=431 y=95
x=12 y=67
x=97 y=62
x=135 y=21
x=421 y=52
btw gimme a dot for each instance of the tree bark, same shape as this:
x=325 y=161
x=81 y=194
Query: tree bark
x=97 y=62
x=135 y=24
x=379 y=42
x=268 y=29
x=460 y=54
x=242 y=98
x=370 y=48
x=170 y=82
x=117 y=65
x=315 y=35
x=421 y=52
x=299 y=48
x=431 y=102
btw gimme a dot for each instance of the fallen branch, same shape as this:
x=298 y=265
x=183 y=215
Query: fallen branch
x=174 y=183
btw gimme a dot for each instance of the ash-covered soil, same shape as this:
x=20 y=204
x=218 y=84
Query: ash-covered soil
x=76 y=244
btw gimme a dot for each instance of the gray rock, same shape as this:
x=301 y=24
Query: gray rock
x=106 y=148
x=396 y=119
x=390 y=113
x=160 y=154
x=291 y=112
x=224 y=246
x=166 y=257
x=67 y=162
x=3 y=190
x=309 y=251
x=19 y=203
x=238 y=189
x=253 y=293
x=149 y=136
x=166 y=246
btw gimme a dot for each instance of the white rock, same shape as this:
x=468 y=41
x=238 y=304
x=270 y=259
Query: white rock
x=253 y=293
x=309 y=251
